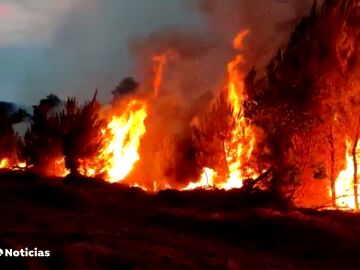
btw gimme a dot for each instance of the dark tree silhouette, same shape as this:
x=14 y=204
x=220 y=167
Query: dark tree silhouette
x=126 y=86
x=42 y=142
x=72 y=135
x=19 y=116
x=8 y=137
x=83 y=138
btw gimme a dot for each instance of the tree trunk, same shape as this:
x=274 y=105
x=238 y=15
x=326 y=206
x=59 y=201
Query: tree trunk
x=332 y=166
x=355 y=182
x=355 y=175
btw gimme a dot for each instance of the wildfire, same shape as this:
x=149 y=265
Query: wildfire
x=59 y=169
x=122 y=148
x=344 y=186
x=206 y=180
x=123 y=134
x=122 y=137
x=4 y=163
x=241 y=143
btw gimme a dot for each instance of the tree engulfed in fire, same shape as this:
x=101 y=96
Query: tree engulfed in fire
x=239 y=148
x=291 y=108
x=122 y=138
x=120 y=144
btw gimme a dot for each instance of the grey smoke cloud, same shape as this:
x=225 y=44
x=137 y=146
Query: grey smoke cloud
x=71 y=47
x=269 y=21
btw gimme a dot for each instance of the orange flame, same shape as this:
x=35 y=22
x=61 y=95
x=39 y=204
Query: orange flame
x=4 y=163
x=59 y=169
x=207 y=180
x=344 y=186
x=239 y=39
x=159 y=61
x=126 y=132
x=241 y=143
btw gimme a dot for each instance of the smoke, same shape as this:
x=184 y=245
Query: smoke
x=83 y=47
x=69 y=48
x=196 y=69
x=72 y=47
x=270 y=23
x=197 y=57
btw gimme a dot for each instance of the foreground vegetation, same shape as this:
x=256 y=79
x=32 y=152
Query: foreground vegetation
x=89 y=224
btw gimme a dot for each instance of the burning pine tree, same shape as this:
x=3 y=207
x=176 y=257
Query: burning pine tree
x=308 y=96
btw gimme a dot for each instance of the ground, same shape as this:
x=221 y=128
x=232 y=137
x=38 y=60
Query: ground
x=87 y=224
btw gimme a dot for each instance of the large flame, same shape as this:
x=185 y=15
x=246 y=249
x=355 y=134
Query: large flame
x=241 y=143
x=344 y=186
x=126 y=132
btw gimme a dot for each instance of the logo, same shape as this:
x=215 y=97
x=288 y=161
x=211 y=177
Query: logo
x=24 y=252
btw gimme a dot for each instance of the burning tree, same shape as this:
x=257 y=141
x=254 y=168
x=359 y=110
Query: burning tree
x=210 y=132
x=59 y=141
x=308 y=91
x=83 y=136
